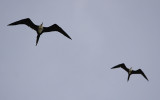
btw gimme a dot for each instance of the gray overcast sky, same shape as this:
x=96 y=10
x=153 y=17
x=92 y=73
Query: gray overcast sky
x=104 y=32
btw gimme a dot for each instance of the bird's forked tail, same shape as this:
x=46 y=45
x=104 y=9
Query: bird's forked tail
x=128 y=77
x=38 y=36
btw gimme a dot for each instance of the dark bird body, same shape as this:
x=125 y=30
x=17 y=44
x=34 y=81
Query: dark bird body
x=40 y=29
x=130 y=71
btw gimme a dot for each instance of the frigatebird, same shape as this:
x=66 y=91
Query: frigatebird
x=40 y=29
x=130 y=71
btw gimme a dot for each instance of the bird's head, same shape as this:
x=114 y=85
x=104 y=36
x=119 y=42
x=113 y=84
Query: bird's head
x=41 y=24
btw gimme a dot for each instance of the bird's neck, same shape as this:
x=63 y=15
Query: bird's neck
x=130 y=70
x=40 y=29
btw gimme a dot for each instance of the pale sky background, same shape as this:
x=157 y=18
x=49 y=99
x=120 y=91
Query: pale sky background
x=104 y=32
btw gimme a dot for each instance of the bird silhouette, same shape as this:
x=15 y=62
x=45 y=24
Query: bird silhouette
x=40 y=29
x=130 y=71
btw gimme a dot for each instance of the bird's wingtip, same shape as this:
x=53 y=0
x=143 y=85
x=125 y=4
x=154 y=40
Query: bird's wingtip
x=69 y=37
x=112 y=68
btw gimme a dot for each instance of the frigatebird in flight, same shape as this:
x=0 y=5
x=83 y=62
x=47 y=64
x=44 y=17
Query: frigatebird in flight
x=39 y=28
x=130 y=71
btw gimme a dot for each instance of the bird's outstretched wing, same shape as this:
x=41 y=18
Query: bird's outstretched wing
x=139 y=71
x=122 y=66
x=27 y=22
x=55 y=27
